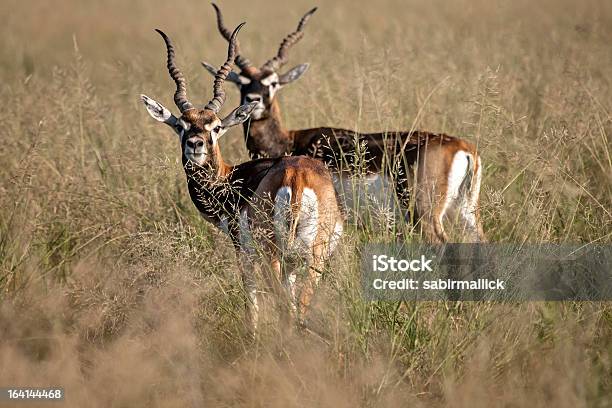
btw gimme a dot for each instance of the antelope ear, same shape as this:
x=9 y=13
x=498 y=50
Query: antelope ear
x=162 y=114
x=159 y=112
x=293 y=74
x=232 y=76
x=239 y=115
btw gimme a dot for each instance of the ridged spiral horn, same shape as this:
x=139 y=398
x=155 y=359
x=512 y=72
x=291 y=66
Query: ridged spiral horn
x=241 y=61
x=281 y=56
x=180 y=96
x=218 y=92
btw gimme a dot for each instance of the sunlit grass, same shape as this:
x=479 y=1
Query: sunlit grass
x=110 y=280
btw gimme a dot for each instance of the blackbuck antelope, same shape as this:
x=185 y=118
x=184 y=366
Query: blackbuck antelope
x=286 y=205
x=440 y=173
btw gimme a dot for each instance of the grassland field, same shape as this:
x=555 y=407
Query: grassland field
x=114 y=288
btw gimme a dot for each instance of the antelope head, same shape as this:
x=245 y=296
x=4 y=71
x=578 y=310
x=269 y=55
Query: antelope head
x=199 y=129
x=260 y=85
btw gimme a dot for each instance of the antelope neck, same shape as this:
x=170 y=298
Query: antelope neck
x=267 y=136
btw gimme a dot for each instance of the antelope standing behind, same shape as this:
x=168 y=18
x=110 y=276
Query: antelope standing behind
x=287 y=205
x=441 y=173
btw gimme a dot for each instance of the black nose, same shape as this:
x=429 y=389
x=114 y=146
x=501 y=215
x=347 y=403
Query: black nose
x=252 y=98
x=195 y=143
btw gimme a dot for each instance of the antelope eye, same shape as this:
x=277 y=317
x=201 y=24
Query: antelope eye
x=217 y=129
x=274 y=84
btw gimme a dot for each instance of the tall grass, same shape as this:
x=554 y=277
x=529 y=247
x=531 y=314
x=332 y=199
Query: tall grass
x=114 y=288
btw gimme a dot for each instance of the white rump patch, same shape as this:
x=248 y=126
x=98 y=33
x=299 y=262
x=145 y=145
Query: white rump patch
x=282 y=216
x=458 y=173
x=308 y=222
x=469 y=205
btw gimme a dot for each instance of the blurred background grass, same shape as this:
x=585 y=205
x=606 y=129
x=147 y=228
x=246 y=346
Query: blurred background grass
x=111 y=281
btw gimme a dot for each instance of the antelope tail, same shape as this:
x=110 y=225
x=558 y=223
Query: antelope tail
x=466 y=185
x=286 y=215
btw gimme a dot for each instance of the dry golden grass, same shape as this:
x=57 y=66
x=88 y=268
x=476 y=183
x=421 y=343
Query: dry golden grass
x=115 y=289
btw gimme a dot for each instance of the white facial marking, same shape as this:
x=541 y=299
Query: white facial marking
x=272 y=82
x=270 y=79
x=184 y=125
x=217 y=133
x=195 y=154
x=272 y=90
x=260 y=108
x=244 y=80
x=215 y=129
x=210 y=126
x=197 y=158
